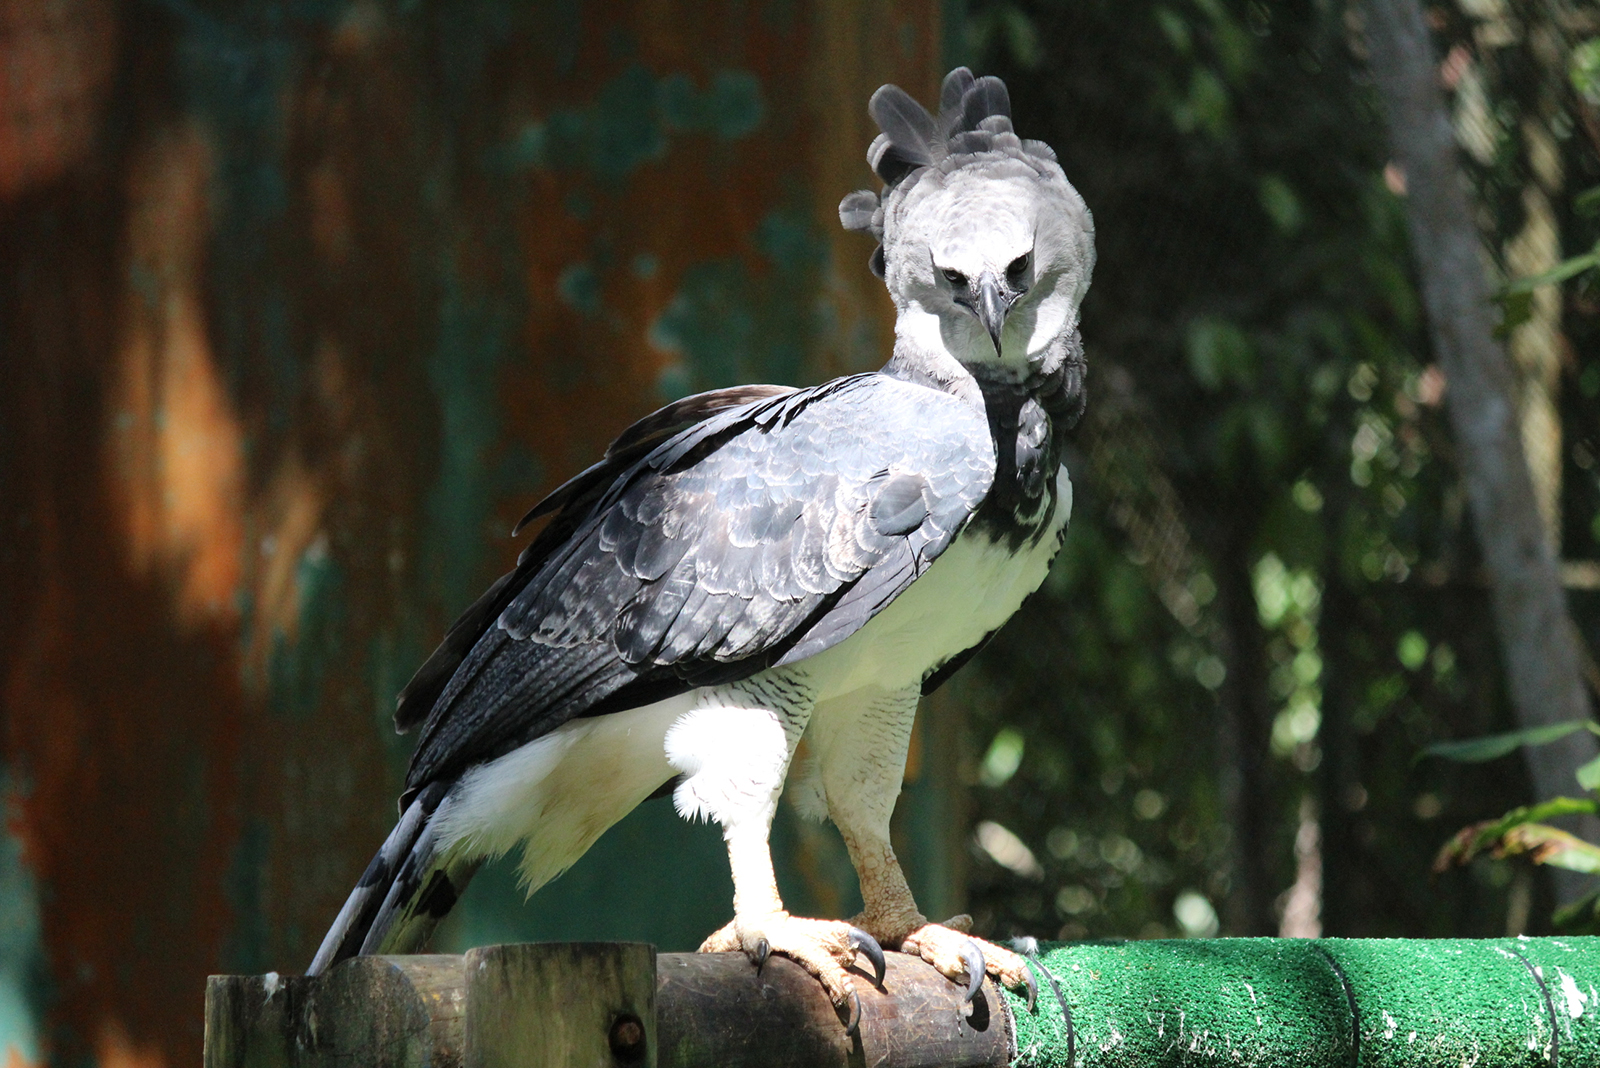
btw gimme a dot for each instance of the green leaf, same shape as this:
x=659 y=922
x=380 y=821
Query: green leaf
x=1583 y=69
x=1510 y=834
x=1554 y=808
x=1551 y=845
x=1580 y=917
x=1478 y=750
x=1219 y=354
x=1587 y=203
x=1589 y=775
x=1515 y=309
x=1559 y=273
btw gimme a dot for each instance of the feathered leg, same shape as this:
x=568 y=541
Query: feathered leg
x=860 y=750
x=734 y=752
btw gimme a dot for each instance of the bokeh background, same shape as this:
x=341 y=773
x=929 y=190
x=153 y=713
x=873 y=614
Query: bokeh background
x=304 y=302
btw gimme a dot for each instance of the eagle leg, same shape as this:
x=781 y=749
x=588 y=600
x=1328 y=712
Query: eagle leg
x=760 y=927
x=860 y=762
x=891 y=916
x=733 y=751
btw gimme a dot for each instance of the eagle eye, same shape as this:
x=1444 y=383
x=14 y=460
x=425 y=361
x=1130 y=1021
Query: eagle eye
x=955 y=278
x=1018 y=267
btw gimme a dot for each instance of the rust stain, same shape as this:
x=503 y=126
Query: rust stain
x=15 y=1059
x=175 y=437
x=115 y=1049
x=218 y=570
x=56 y=63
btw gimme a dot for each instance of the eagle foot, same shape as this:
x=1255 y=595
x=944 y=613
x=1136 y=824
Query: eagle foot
x=963 y=959
x=825 y=948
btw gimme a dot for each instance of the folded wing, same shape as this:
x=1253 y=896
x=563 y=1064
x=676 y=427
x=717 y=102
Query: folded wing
x=763 y=534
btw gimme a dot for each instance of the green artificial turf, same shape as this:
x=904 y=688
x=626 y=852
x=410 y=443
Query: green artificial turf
x=1291 y=1003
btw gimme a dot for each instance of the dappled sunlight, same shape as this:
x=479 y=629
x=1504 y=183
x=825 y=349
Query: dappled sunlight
x=176 y=441
x=115 y=1049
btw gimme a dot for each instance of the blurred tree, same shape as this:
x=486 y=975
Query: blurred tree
x=1514 y=509
x=1270 y=598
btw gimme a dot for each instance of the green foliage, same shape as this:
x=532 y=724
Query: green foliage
x=1478 y=750
x=1584 y=70
x=1269 y=597
x=1523 y=832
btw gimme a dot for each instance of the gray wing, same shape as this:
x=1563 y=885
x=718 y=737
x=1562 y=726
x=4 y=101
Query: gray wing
x=760 y=536
x=569 y=503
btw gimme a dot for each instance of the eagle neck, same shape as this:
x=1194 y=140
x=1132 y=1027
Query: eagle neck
x=1029 y=415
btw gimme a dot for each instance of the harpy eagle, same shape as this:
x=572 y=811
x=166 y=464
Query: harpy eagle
x=756 y=564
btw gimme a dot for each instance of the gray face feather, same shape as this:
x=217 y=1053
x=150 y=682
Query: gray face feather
x=986 y=247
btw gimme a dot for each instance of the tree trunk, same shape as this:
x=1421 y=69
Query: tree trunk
x=1541 y=657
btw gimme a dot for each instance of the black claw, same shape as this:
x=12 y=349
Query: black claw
x=854 y=1022
x=763 y=951
x=972 y=957
x=865 y=944
x=1033 y=987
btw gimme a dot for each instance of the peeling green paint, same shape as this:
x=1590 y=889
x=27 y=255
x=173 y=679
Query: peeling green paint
x=730 y=109
x=371 y=125
x=729 y=324
x=246 y=948
x=579 y=286
x=631 y=122
x=22 y=959
x=473 y=341
x=297 y=667
x=236 y=74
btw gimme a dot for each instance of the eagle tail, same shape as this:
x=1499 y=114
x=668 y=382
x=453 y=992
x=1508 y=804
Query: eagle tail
x=407 y=889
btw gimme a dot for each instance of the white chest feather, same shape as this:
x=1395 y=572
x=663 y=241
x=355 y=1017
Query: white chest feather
x=969 y=592
x=557 y=794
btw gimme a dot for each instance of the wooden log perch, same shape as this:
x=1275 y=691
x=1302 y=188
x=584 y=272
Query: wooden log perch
x=594 y=1005
x=1285 y=1003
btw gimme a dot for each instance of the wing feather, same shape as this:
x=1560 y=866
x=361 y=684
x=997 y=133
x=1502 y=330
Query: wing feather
x=762 y=534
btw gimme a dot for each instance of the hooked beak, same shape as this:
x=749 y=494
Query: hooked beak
x=992 y=308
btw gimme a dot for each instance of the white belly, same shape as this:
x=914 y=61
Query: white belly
x=558 y=794
x=968 y=592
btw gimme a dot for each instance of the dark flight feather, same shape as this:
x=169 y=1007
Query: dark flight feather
x=782 y=531
x=422 y=692
x=951 y=94
x=987 y=97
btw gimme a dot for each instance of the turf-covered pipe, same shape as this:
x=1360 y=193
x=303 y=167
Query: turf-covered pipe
x=1315 y=1003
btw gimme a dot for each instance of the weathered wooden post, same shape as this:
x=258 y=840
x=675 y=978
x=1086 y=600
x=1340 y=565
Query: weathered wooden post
x=1267 y=1002
x=399 y=1011
x=594 y=1005
x=561 y=1005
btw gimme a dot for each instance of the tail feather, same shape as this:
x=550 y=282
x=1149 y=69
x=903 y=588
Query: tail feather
x=423 y=893
x=404 y=893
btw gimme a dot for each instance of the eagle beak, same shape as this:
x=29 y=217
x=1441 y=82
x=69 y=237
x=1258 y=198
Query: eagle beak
x=992 y=308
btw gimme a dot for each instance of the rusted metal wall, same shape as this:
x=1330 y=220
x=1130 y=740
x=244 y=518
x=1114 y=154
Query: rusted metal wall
x=301 y=305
